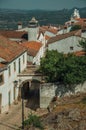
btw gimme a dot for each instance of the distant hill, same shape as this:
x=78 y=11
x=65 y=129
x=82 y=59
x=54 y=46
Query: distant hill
x=10 y=17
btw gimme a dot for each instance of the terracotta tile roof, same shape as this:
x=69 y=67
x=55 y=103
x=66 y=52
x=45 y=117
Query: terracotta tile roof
x=49 y=29
x=82 y=24
x=10 y=50
x=32 y=47
x=80 y=53
x=14 y=34
x=31 y=52
x=47 y=37
x=2 y=65
x=63 y=36
x=81 y=19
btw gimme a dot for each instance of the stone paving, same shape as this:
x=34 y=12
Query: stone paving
x=12 y=119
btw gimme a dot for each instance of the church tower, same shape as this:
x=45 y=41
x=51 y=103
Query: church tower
x=75 y=14
x=33 y=30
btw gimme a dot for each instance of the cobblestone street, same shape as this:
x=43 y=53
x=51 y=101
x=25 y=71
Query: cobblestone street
x=12 y=120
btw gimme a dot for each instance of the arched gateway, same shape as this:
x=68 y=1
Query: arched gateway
x=27 y=88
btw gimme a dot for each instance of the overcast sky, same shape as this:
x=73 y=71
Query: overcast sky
x=42 y=4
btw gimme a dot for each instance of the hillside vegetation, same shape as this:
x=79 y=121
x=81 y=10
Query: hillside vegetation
x=10 y=18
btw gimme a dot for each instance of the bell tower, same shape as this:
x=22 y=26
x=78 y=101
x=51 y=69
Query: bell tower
x=33 y=29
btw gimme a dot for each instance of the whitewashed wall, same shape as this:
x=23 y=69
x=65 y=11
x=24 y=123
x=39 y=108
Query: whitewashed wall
x=63 y=46
x=8 y=85
x=49 y=90
x=39 y=55
x=50 y=34
x=83 y=34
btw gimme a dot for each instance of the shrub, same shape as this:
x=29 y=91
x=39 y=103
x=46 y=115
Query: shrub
x=33 y=120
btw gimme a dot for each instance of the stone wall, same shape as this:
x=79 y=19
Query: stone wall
x=49 y=90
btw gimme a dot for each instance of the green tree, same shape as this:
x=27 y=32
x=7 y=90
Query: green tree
x=66 y=69
x=75 y=27
x=33 y=120
x=83 y=44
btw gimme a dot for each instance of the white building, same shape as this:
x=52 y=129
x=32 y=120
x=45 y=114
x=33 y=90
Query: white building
x=13 y=60
x=66 y=43
x=35 y=51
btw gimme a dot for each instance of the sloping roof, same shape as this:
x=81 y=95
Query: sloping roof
x=47 y=37
x=14 y=34
x=2 y=65
x=80 y=53
x=49 y=29
x=63 y=36
x=9 y=50
x=82 y=24
x=33 y=47
x=81 y=19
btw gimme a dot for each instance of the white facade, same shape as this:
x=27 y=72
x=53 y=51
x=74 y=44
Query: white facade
x=67 y=45
x=36 y=59
x=8 y=91
x=32 y=33
x=63 y=31
x=43 y=41
x=83 y=34
x=50 y=34
x=38 y=56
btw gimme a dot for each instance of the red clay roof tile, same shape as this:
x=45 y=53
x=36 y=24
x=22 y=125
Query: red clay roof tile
x=9 y=50
x=13 y=34
x=63 y=36
x=32 y=47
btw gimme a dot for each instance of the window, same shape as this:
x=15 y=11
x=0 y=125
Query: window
x=1 y=79
x=14 y=66
x=23 y=59
x=9 y=70
x=71 y=48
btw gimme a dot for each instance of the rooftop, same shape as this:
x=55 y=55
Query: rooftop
x=10 y=50
x=33 y=47
x=63 y=36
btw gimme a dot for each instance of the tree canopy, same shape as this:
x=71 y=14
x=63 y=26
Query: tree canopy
x=83 y=44
x=75 y=27
x=66 y=69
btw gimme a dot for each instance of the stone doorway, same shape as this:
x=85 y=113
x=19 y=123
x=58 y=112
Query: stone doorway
x=25 y=91
x=33 y=99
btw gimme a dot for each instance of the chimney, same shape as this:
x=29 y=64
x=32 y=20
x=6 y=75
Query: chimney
x=19 y=25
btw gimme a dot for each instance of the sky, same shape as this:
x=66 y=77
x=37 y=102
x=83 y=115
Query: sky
x=42 y=4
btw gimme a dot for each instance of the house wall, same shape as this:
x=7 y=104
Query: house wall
x=36 y=59
x=50 y=34
x=63 y=31
x=8 y=85
x=32 y=33
x=29 y=58
x=63 y=46
x=84 y=34
x=50 y=90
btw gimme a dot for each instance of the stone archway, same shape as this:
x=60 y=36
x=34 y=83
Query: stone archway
x=33 y=100
x=29 y=91
x=25 y=90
